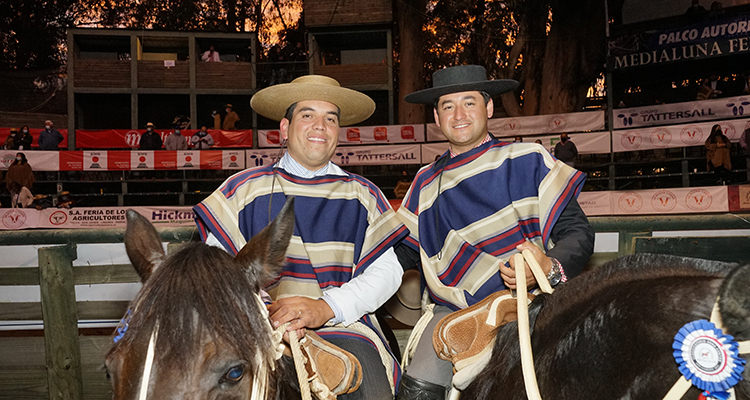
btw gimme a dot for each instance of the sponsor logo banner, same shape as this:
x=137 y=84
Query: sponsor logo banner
x=71 y=161
x=188 y=159
x=232 y=159
x=744 y=197
x=91 y=217
x=671 y=201
x=595 y=203
x=381 y=134
x=535 y=124
x=694 y=134
x=378 y=155
x=124 y=138
x=697 y=41
x=141 y=160
x=39 y=160
x=96 y=161
x=680 y=113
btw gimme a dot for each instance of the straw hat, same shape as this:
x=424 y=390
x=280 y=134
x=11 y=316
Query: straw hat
x=462 y=78
x=273 y=101
x=405 y=306
x=229 y=105
x=149 y=125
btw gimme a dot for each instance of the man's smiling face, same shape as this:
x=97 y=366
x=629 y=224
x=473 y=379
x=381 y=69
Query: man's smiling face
x=312 y=133
x=462 y=117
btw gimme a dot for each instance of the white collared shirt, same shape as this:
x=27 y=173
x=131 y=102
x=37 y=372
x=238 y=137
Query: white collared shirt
x=366 y=292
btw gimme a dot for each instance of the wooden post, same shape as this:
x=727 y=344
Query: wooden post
x=62 y=349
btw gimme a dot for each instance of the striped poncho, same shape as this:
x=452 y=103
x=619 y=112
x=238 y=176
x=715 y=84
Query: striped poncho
x=342 y=224
x=488 y=200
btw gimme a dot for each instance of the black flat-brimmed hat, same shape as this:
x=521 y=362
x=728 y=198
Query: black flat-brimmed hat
x=462 y=78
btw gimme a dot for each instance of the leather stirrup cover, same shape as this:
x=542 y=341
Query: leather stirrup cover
x=336 y=367
x=464 y=335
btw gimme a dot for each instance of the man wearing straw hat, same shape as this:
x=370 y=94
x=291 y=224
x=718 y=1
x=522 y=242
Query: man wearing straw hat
x=474 y=207
x=342 y=266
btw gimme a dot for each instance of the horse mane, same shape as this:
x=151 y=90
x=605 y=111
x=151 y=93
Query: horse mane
x=568 y=305
x=197 y=291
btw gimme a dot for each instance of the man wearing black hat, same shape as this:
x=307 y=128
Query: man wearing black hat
x=477 y=205
x=151 y=140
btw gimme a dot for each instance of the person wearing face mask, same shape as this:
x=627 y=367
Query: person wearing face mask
x=23 y=142
x=566 y=151
x=19 y=175
x=202 y=140
x=49 y=138
x=10 y=141
x=176 y=141
x=151 y=140
x=231 y=118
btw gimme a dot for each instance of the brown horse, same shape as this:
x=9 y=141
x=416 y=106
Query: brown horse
x=608 y=334
x=197 y=329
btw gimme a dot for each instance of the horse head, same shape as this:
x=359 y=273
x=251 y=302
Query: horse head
x=608 y=334
x=198 y=329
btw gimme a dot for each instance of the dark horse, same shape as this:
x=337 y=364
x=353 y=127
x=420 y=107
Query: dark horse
x=608 y=334
x=199 y=313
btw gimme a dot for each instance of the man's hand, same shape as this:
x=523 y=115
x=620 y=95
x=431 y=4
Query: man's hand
x=509 y=274
x=301 y=312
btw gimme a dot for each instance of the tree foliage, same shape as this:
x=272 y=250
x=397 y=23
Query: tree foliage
x=33 y=32
x=554 y=48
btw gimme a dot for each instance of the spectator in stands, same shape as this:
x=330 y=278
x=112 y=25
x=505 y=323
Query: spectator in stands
x=230 y=119
x=10 y=141
x=715 y=85
x=566 y=151
x=518 y=139
x=716 y=11
x=402 y=186
x=299 y=56
x=278 y=75
x=745 y=144
x=65 y=201
x=24 y=139
x=20 y=196
x=20 y=173
x=538 y=141
x=176 y=141
x=202 y=140
x=211 y=55
x=41 y=201
x=151 y=140
x=695 y=12
x=50 y=138
x=718 y=154
x=704 y=91
x=217 y=119
x=181 y=121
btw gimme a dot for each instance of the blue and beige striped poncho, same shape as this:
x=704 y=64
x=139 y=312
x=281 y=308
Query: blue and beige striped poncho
x=490 y=200
x=342 y=224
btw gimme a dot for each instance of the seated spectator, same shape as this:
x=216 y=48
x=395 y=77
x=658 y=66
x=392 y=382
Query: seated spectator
x=20 y=196
x=10 y=141
x=65 y=201
x=50 y=138
x=704 y=91
x=176 y=141
x=211 y=55
x=202 y=140
x=402 y=186
x=19 y=172
x=518 y=139
x=41 y=201
x=24 y=139
x=151 y=140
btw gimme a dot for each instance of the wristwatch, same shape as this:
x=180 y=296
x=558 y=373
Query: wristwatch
x=555 y=274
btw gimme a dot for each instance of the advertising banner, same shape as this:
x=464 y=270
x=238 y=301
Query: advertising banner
x=378 y=155
x=675 y=135
x=595 y=203
x=91 y=217
x=680 y=113
x=671 y=201
x=535 y=125
x=382 y=134
x=123 y=138
x=717 y=37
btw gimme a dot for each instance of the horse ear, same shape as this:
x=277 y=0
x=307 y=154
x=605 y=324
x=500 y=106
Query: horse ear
x=143 y=245
x=268 y=248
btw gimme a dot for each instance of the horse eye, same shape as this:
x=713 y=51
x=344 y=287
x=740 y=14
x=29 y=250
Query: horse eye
x=234 y=375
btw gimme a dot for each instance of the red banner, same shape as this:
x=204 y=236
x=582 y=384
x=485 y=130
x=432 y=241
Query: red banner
x=5 y=132
x=122 y=138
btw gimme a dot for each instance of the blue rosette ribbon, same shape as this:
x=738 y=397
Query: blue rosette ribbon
x=708 y=358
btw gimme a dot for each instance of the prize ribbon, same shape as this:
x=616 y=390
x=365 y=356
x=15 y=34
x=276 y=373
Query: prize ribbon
x=708 y=358
x=122 y=327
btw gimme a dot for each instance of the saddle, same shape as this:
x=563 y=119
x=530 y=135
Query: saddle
x=329 y=365
x=465 y=336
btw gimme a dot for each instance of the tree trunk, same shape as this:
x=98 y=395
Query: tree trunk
x=411 y=58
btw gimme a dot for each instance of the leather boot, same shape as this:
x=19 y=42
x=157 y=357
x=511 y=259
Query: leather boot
x=418 y=389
